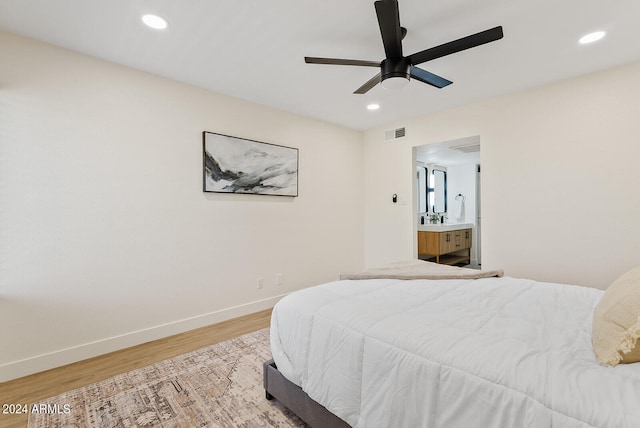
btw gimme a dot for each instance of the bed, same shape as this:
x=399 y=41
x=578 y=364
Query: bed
x=398 y=347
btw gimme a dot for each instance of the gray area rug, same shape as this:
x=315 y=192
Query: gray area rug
x=216 y=386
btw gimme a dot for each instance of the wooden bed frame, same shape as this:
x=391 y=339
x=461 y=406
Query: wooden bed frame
x=295 y=399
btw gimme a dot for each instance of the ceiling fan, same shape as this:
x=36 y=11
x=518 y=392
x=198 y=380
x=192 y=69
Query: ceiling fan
x=396 y=69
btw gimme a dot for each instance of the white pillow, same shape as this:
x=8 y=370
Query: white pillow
x=616 y=321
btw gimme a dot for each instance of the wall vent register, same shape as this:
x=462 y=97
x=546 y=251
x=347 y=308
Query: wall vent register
x=468 y=148
x=395 y=134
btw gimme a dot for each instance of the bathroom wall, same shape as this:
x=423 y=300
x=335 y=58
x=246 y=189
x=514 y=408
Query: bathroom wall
x=461 y=179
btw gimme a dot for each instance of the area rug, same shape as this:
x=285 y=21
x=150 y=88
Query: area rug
x=216 y=386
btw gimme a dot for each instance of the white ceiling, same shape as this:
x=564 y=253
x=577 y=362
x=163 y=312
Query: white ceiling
x=254 y=49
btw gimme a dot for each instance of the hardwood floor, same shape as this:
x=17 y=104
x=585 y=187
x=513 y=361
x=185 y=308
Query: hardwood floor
x=35 y=388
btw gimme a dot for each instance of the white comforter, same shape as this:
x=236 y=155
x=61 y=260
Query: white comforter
x=495 y=352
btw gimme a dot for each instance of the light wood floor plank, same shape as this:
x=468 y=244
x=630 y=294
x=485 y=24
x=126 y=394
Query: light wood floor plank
x=35 y=388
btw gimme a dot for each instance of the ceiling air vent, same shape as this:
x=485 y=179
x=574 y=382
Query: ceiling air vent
x=395 y=134
x=467 y=148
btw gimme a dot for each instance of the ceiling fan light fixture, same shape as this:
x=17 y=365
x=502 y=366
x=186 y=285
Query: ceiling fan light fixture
x=591 y=37
x=394 y=83
x=154 y=21
x=394 y=73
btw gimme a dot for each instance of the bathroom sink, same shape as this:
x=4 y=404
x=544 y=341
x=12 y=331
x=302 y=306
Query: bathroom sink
x=444 y=227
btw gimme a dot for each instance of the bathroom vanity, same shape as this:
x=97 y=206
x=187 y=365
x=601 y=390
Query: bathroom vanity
x=449 y=243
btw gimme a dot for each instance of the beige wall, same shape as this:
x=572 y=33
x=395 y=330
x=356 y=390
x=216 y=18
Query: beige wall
x=560 y=170
x=106 y=238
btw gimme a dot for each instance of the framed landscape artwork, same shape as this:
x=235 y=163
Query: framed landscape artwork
x=238 y=165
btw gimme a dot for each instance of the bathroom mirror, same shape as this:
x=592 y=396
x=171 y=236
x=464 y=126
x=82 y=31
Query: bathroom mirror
x=432 y=190
x=438 y=191
x=422 y=188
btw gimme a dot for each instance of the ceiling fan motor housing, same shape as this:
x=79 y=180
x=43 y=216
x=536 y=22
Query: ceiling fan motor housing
x=395 y=67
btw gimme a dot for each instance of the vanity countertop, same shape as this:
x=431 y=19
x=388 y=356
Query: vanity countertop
x=444 y=227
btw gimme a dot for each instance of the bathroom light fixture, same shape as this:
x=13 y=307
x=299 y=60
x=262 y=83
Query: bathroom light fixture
x=154 y=21
x=591 y=37
x=373 y=106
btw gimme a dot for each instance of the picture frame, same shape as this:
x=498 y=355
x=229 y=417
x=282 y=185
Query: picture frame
x=239 y=165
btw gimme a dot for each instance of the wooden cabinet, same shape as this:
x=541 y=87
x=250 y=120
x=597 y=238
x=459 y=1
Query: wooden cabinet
x=467 y=239
x=449 y=247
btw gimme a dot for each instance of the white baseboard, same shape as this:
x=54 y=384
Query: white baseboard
x=27 y=366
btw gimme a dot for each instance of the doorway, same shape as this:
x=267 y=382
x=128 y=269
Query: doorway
x=460 y=158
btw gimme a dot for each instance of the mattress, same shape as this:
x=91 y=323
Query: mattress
x=490 y=352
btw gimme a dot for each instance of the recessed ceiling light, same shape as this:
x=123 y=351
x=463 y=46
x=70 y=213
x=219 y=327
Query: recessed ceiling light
x=373 y=106
x=154 y=21
x=591 y=37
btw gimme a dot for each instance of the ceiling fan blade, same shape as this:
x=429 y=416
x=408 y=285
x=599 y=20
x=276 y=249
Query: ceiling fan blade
x=464 y=43
x=338 y=61
x=370 y=84
x=429 y=78
x=389 y=22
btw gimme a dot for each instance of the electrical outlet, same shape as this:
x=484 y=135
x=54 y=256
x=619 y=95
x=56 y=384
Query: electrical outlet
x=259 y=283
x=279 y=279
